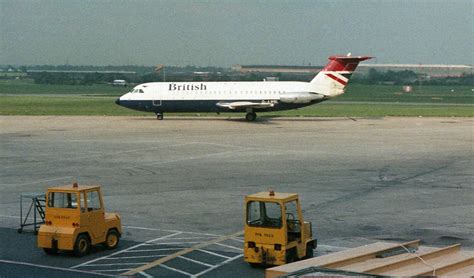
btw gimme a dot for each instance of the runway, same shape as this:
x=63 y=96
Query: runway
x=360 y=180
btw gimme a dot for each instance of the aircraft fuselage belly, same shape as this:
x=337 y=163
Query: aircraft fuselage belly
x=200 y=106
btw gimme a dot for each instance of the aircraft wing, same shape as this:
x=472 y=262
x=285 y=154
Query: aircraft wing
x=245 y=104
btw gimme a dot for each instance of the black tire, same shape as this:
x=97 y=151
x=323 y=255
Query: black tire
x=250 y=117
x=82 y=245
x=290 y=256
x=255 y=265
x=51 y=251
x=112 y=240
x=309 y=251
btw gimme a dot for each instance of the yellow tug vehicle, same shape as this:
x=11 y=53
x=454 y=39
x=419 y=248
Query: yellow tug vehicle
x=75 y=220
x=275 y=232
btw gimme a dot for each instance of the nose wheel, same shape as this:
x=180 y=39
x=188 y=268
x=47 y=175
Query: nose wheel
x=250 y=117
x=159 y=116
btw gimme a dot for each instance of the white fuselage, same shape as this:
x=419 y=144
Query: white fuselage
x=217 y=90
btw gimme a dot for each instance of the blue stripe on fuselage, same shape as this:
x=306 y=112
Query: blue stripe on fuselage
x=199 y=106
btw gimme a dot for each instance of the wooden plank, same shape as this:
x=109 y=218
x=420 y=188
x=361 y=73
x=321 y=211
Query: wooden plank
x=433 y=265
x=341 y=258
x=413 y=258
x=376 y=262
x=462 y=266
x=363 y=256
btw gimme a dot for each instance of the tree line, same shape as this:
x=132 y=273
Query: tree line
x=374 y=76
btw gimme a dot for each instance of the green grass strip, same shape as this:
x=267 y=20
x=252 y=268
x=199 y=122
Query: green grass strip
x=73 y=105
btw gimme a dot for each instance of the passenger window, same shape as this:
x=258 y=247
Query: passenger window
x=93 y=200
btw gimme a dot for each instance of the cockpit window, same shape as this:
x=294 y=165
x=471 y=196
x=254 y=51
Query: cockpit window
x=140 y=91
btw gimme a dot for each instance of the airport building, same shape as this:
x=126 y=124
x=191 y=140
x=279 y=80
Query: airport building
x=428 y=70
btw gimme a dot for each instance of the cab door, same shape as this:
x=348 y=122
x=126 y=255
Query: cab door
x=293 y=221
x=94 y=215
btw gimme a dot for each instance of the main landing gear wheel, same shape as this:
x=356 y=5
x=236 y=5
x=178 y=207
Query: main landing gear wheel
x=159 y=116
x=250 y=117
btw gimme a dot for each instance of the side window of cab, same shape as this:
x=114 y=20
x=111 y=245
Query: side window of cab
x=62 y=200
x=93 y=200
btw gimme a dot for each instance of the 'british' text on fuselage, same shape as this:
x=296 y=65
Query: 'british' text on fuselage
x=187 y=87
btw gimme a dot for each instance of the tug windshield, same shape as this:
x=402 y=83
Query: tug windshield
x=264 y=214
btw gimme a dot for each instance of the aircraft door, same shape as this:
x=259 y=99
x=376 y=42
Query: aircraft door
x=156 y=99
x=156 y=102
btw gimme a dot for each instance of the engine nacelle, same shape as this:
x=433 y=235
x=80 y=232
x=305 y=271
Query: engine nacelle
x=299 y=97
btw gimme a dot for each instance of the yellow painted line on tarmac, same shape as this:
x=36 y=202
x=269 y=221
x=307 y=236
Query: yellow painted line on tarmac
x=181 y=253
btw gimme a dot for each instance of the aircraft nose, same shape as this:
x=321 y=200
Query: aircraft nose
x=117 y=101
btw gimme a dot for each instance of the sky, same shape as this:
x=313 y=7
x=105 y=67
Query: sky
x=225 y=33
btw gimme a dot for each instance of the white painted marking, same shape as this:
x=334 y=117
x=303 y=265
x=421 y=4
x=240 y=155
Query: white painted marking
x=177 y=270
x=195 y=261
x=170 y=231
x=134 y=257
x=143 y=273
x=89 y=265
x=229 y=246
x=151 y=250
x=212 y=253
x=110 y=270
x=174 y=243
x=190 y=238
x=218 y=265
x=125 y=250
x=237 y=239
x=51 y=267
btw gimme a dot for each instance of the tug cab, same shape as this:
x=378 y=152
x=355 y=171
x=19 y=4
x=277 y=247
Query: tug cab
x=75 y=220
x=275 y=232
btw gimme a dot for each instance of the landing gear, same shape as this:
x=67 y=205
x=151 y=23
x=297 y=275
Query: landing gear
x=251 y=116
x=159 y=116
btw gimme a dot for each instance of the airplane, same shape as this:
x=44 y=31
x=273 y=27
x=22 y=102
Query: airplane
x=248 y=97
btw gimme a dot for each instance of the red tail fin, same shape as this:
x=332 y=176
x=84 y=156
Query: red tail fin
x=344 y=63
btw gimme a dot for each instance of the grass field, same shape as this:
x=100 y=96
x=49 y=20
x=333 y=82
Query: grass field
x=27 y=98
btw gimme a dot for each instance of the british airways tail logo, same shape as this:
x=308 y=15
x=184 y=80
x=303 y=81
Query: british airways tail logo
x=187 y=87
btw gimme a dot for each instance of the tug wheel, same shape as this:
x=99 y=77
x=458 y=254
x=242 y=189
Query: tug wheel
x=50 y=251
x=82 y=245
x=112 y=239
